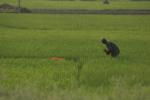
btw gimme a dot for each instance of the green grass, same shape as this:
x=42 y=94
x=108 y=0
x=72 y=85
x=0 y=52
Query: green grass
x=27 y=41
x=80 y=4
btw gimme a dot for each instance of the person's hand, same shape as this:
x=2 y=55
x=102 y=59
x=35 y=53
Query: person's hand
x=106 y=51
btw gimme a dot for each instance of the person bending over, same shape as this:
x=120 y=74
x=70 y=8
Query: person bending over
x=112 y=49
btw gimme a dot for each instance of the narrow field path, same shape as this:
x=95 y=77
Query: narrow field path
x=86 y=11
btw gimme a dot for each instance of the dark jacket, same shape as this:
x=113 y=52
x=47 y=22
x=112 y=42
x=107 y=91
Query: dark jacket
x=113 y=49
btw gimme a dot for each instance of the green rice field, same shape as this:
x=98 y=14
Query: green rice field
x=29 y=41
x=77 y=4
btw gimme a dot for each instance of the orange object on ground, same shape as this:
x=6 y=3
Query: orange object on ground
x=57 y=58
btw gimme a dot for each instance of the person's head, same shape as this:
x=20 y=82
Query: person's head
x=104 y=41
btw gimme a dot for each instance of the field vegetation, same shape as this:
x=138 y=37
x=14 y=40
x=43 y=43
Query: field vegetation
x=29 y=41
x=77 y=4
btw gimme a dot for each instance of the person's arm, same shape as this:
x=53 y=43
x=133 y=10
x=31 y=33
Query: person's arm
x=107 y=51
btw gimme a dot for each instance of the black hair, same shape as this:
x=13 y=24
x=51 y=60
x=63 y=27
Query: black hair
x=104 y=41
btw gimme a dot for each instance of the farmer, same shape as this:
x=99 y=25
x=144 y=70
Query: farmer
x=112 y=49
